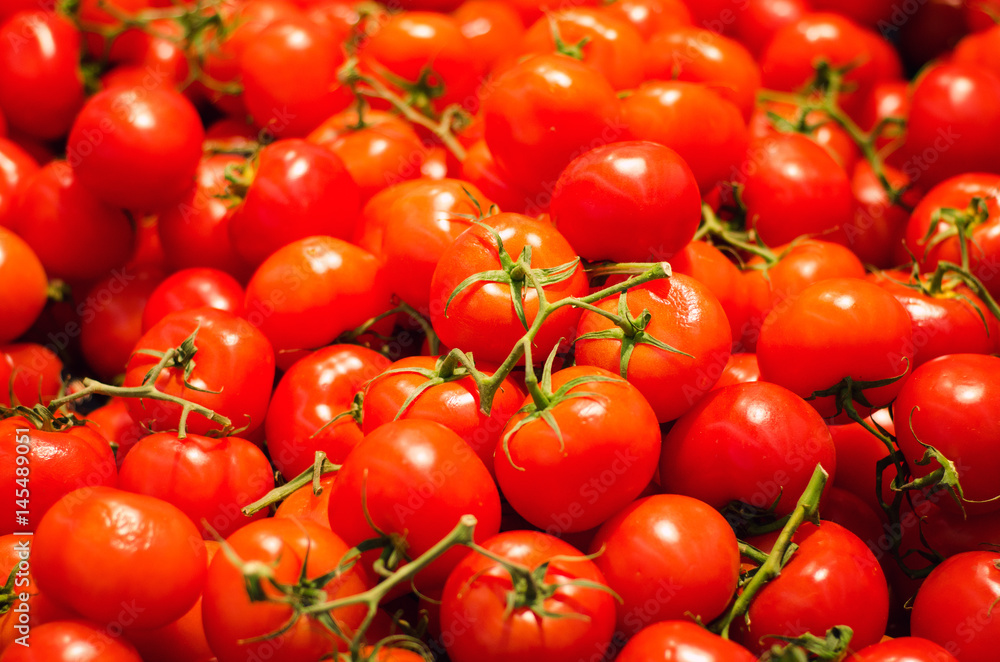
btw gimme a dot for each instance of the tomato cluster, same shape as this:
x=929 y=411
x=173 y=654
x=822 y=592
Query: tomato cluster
x=483 y=330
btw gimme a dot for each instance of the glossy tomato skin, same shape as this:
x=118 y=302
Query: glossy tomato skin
x=304 y=504
x=671 y=551
x=952 y=608
x=759 y=20
x=16 y=166
x=193 y=288
x=685 y=316
x=627 y=202
x=832 y=579
x=474 y=604
x=113 y=422
x=858 y=322
x=949 y=403
x=23 y=294
x=311 y=393
x=41 y=87
x=876 y=231
x=490 y=26
x=482 y=318
x=136 y=148
x=99 y=550
x=32 y=371
x=756 y=442
x=72 y=641
x=605 y=458
x=310 y=291
x=292 y=548
x=231 y=351
x=903 y=649
x=545 y=111
x=652 y=16
x=419 y=478
x=682 y=641
x=710 y=266
x=828 y=135
x=298 y=190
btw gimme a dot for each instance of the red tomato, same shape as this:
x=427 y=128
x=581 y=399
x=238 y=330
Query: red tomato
x=903 y=649
x=952 y=608
x=741 y=368
x=757 y=443
x=709 y=266
x=980 y=49
x=296 y=190
x=668 y=557
x=32 y=371
x=481 y=170
x=652 y=16
x=41 y=88
x=193 y=288
x=26 y=608
x=16 y=166
x=305 y=505
x=822 y=131
x=113 y=422
x=627 y=202
x=117 y=557
x=858 y=451
x=543 y=112
x=297 y=552
x=24 y=290
x=682 y=641
x=834 y=329
x=489 y=26
x=481 y=625
x=310 y=394
x=136 y=148
x=876 y=232
x=417 y=478
x=755 y=22
x=72 y=641
x=230 y=352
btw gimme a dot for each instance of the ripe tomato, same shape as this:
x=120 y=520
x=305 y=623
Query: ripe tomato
x=481 y=170
x=490 y=27
x=822 y=131
x=756 y=23
x=193 y=288
x=741 y=368
x=25 y=608
x=24 y=290
x=668 y=557
x=41 y=88
x=875 y=233
x=834 y=329
x=482 y=317
x=709 y=266
x=757 y=443
x=296 y=552
x=32 y=371
x=303 y=504
x=310 y=394
x=416 y=478
x=652 y=16
x=57 y=464
x=113 y=556
x=858 y=451
x=950 y=403
x=16 y=166
x=627 y=202
x=113 y=422
x=485 y=617
x=952 y=608
x=903 y=649
x=543 y=112
x=230 y=352
x=600 y=460
x=682 y=641
x=685 y=316
x=979 y=49
x=136 y=148
x=296 y=190
x=72 y=641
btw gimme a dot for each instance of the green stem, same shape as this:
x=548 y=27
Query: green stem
x=311 y=475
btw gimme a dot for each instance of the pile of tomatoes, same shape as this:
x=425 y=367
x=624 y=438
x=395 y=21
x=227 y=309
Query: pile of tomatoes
x=483 y=330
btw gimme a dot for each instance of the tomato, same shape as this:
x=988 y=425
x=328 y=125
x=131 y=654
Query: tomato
x=858 y=452
x=613 y=46
x=310 y=394
x=831 y=579
x=952 y=608
x=757 y=443
x=113 y=422
x=930 y=33
x=489 y=27
x=305 y=505
x=482 y=318
x=821 y=130
x=24 y=607
x=98 y=18
x=41 y=88
x=72 y=641
x=136 y=148
x=74 y=234
x=310 y=291
x=668 y=557
x=954 y=115
x=32 y=371
x=230 y=351
x=297 y=552
x=480 y=169
x=453 y=403
x=290 y=77
x=682 y=641
x=700 y=124
x=601 y=459
x=701 y=56
x=296 y=190
x=627 y=202
x=16 y=166
x=709 y=266
x=570 y=623
x=685 y=316
x=24 y=290
x=57 y=464
x=792 y=187
x=651 y=16
x=741 y=368
x=834 y=329
x=948 y=403
x=903 y=649
x=193 y=288
x=979 y=49
x=543 y=112
x=876 y=232
x=757 y=21
x=113 y=556
x=416 y=478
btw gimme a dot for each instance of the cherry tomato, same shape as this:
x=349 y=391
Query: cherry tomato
x=24 y=290
x=72 y=641
x=193 y=288
x=682 y=641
